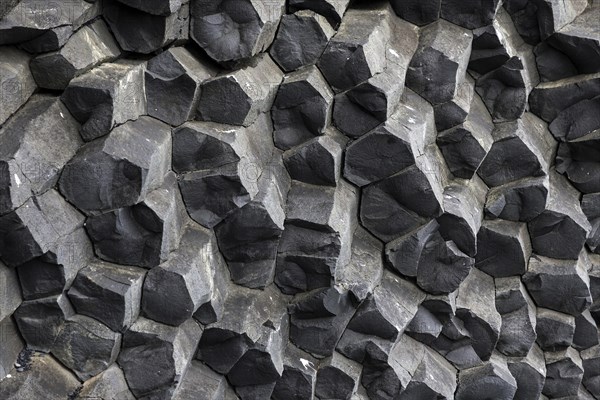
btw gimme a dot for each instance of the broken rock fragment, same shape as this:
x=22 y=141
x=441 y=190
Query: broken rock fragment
x=493 y=379
x=520 y=200
x=564 y=373
x=332 y=10
x=337 y=378
x=578 y=161
x=554 y=330
x=110 y=383
x=299 y=376
x=16 y=81
x=503 y=248
x=529 y=372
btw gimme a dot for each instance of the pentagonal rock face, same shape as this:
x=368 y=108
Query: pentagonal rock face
x=154 y=357
x=440 y=62
x=141 y=32
x=106 y=96
x=299 y=376
x=86 y=346
x=455 y=111
x=234 y=30
x=302 y=108
x=560 y=285
x=143 y=234
x=518 y=330
x=44 y=223
x=41 y=321
x=564 y=373
x=503 y=248
x=529 y=372
x=554 y=330
x=88 y=47
x=418 y=12
x=174 y=290
x=16 y=81
x=238 y=97
x=119 y=170
x=109 y=293
x=357 y=51
x=32 y=154
x=560 y=231
x=569 y=124
x=337 y=377
x=318 y=161
x=578 y=160
x=516 y=153
x=54 y=271
x=301 y=38
x=521 y=200
x=493 y=379
x=28 y=19
x=172 y=82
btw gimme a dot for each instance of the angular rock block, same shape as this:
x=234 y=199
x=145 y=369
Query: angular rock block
x=434 y=376
x=230 y=32
x=462 y=216
x=318 y=319
x=576 y=121
x=548 y=99
x=518 y=330
x=530 y=374
x=560 y=285
x=299 y=376
x=33 y=154
x=370 y=103
x=425 y=327
x=579 y=40
x=395 y=144
x=364 y=271
x=11 y=343
x=475 y=306
x=141 y=32
x=16 y=81
x=47 y=378
x=332 y=10
x=515 y=145
x=30 y=19
x=106 y=96
x=51 y=40
x=213 y=309
x=504 y=91
x=591 y=363
x=301 y=39
x=586 y=331
x=465 y=145
x=109 y=293
x=578 y=160
x=248 y=343
x=156 y=7
x=249 y=237
x=86 y=346
x=316 y=240
x=520 y=200
x=155 y=357
x=554 y=330
x=553 y=65
x=301 y=109
x=239 y=96
x=455 y=111
x=470 y=15
x=224 y=163
x=440 y=62
x=418 y=12
x=172 y=81
x=318 y=161
x=493 y=379
x=390 y=308
x=560 y=231
x=503 y=248
x=109 y=384
x=44 y=223
x=53 y=272
x=357 y=51
x=120 y=169
x=201 y=382
x=90 y=46
x=174 y=290
x=41 y=321
x=337 y=378
x=402 y=202
x=144 y=234
x=564 y=373
x=10 y=295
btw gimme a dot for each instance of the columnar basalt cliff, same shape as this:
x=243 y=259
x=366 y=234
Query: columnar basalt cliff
x=299 y=199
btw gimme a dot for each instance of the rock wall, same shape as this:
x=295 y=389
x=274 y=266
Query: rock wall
x=301 y=199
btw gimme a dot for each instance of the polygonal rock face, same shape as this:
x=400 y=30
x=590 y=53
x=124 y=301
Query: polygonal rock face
x=119 y=170
x=16 y=81
x=503 y=248
x=578 y=160
x=302 y=108
x=417 y=12
x=564 y=373
x=232 y=30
